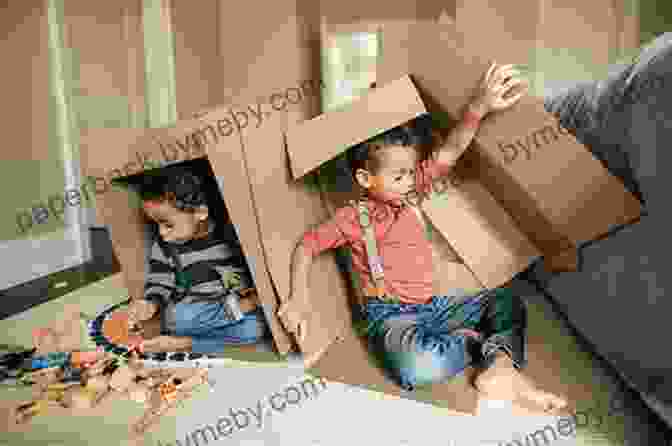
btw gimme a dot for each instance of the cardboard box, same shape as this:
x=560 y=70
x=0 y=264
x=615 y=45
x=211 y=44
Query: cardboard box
x=500 y=214
x=555 y=206
x=255 y=198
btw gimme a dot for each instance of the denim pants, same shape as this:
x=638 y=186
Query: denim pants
x=416 y=343
x=210 y=330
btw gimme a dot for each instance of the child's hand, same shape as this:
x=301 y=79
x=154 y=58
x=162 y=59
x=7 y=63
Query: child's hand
x=497 y=83
x=293 y=312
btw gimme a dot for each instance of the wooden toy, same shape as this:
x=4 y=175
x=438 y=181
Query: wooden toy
x=104 y=376
x=27 y=411
x=122 y=378
x=110 y=330
x=62 y=336
x=169 y=394
x=139 y=392
x=86 y=359
x=44 y=377
x=78 y=397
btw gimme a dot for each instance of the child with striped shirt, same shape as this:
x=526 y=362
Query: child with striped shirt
x=198 y=277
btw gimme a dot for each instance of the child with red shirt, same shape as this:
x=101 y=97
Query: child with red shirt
x=420 y=338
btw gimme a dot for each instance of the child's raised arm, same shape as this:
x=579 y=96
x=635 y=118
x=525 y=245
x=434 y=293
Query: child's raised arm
x=497 y=83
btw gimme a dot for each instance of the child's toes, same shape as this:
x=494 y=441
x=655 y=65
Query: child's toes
x=551 y=403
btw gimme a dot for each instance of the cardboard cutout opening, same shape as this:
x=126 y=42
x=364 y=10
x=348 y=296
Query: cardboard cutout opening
x=223 y=230
x=268 y=209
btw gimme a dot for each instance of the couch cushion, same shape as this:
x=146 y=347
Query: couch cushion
x=617 y=299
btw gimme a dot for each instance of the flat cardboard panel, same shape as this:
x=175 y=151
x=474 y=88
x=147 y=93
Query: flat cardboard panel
x=388 y=106
x=481 y=232
x=116 y=149
x=565 y=183
x=285 y=209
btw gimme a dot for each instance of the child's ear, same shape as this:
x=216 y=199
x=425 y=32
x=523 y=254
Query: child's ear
x=364 y=178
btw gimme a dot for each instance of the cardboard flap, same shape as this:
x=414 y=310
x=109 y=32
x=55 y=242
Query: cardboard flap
x=335 y=131
x=284 y=210
x=114 y=206
x=523 y=148
x=480 y=231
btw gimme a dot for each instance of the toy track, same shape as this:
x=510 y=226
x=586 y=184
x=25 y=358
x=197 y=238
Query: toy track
x=165 y=359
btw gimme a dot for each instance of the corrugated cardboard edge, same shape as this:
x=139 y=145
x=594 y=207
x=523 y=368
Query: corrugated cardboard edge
x=286 y=210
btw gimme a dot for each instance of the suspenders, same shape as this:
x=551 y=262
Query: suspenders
x=375 y=261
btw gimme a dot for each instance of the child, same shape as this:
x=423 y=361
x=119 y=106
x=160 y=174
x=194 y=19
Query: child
x=419 y=337
x=198 y=276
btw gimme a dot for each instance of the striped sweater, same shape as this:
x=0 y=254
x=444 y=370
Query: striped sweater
x=214 y=268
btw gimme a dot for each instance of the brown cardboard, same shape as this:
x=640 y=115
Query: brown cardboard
x=284 y=210
x=520 y=175
x=291 y=52
x=513 y=212
x=327 y=128
x=126 y=222
x=481 y=232
x=473 y=225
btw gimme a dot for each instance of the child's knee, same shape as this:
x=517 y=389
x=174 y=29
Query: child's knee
x=413 y=369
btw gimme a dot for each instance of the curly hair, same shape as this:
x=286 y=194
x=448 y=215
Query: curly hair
x=185 y=187
x=416 y=133
x=182 y=189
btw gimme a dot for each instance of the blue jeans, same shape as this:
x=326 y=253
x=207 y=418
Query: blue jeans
x=210 y=331
x=417 y=345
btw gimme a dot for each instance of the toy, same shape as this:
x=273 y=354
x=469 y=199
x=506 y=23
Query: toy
x=44 y=377
x=62 y=336
x=84 y=380
x=169 y=393
x=79 y=397
x=27 y=411
x=111 y=331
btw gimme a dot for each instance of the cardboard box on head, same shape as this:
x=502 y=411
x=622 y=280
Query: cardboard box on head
x=268 y=209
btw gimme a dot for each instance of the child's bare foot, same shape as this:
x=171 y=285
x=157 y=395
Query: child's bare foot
x=549 y=402
x=161 y=344
x=502 y=381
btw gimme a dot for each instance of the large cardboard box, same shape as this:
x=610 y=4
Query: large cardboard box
x=514 y=151
x=497 y=215
x=268 y=210
x=526 y=188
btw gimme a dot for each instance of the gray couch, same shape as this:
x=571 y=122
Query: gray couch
x=617 y=300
